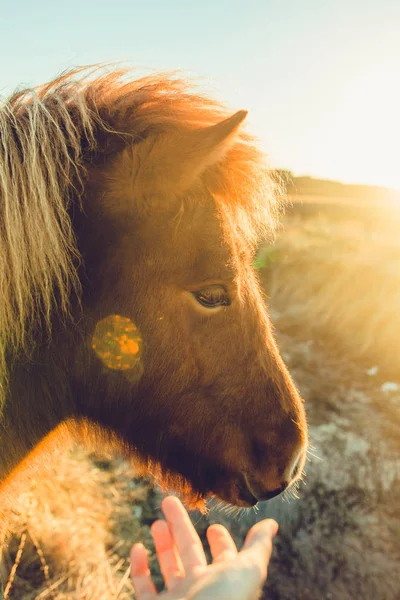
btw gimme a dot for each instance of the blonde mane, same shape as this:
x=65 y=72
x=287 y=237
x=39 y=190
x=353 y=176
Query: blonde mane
x=49 y=137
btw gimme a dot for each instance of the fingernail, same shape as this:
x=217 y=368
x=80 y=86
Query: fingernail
x=274 y=527
x=137 y=546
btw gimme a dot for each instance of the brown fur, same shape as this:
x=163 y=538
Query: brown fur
x=123 y=196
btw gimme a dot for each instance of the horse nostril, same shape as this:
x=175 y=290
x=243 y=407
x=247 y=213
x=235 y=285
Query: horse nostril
x=294 y=469
x=259 y=451
x=297 y=467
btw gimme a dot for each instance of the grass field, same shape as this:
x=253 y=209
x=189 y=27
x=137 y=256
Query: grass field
x=332 y=281
x=335 y=275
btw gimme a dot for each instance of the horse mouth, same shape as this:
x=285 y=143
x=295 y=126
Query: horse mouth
x=245 y=497
x=240 y=491
x=235 y=489
x=207 y=480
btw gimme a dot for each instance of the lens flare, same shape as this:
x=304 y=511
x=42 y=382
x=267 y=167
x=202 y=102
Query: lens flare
x=118 y=343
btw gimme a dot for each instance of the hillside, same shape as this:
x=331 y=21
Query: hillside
x=322 y=188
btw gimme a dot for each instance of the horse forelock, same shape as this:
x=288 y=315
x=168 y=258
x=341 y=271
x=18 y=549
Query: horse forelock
x=49 y=136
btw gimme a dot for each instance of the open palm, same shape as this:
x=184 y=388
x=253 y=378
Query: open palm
x=233 y=575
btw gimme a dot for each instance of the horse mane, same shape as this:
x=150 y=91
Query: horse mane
x=49 y=136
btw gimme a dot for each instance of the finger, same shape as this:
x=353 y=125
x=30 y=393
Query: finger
x=258 y=543
x=221 y=543
x=262 y=531
x=140 y=574
x=168 y=558
x=184 y=534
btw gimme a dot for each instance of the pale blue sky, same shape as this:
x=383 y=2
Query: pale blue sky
x=321 y=78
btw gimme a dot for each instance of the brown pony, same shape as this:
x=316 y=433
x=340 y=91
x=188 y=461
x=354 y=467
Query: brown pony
x=140 y=203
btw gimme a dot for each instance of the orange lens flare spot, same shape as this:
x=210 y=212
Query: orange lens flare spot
x=118 y=343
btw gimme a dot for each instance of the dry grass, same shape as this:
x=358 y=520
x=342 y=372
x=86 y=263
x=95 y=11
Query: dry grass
x=339 y=281
x=71 y=532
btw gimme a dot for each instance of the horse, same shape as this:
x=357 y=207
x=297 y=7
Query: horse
x=131 y=314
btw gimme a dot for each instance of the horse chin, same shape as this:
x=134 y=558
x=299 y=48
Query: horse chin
x=234 y=492
x=230 y=493
x=174 y=483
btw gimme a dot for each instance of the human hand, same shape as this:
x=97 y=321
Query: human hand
x=232 y=575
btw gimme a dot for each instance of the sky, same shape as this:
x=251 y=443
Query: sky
x=320 y=78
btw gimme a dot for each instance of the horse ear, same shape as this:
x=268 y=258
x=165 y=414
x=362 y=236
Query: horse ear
x=176 y=161
x=209 y=144
x=169 y=164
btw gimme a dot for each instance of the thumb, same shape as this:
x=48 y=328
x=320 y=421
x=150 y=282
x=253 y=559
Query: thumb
x=259 y=539
x=268 y=528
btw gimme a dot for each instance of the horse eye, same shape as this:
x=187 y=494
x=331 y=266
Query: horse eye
x=213 y=296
